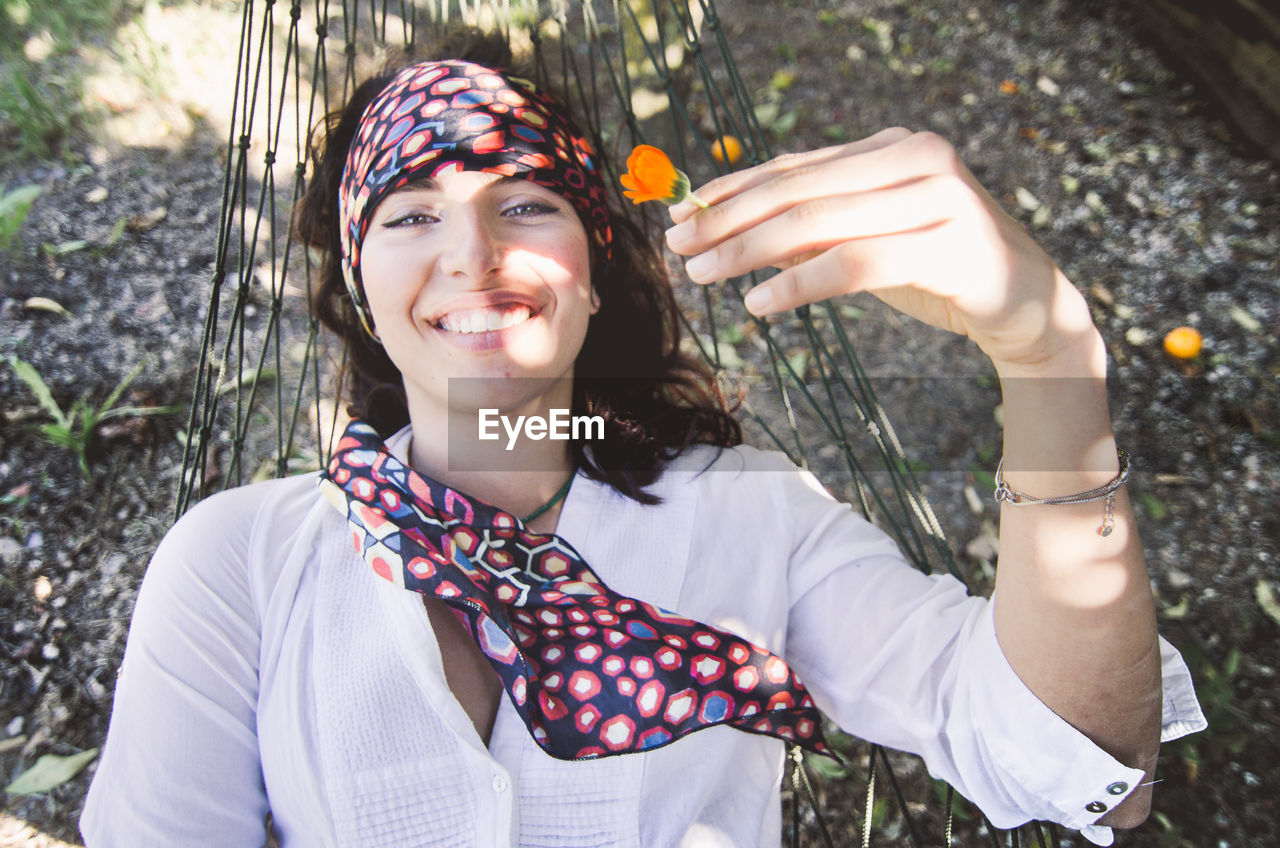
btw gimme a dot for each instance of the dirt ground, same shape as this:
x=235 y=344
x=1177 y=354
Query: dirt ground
x=1131 y=182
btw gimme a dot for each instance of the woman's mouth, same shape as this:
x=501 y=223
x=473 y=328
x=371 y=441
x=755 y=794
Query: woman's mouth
x=484 y=320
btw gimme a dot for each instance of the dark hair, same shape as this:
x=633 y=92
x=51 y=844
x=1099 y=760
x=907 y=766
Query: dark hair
x=655 y=400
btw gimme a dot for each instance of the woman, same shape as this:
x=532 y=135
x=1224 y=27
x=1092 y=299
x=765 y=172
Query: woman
x=474 y=269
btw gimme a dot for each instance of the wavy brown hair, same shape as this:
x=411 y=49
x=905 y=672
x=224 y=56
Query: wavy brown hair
x=655 y=400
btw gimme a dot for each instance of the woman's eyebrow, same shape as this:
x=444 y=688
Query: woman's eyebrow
x=420 y=184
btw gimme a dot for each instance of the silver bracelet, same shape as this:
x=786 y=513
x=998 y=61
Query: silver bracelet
x=1005 y=494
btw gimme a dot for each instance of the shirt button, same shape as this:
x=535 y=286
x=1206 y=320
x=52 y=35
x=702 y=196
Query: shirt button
x=1118 y=788
x=500 y=783
x=1096 y=807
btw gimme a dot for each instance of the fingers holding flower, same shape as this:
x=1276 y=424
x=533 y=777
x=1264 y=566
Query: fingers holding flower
x=899 y=215
x=652 y=176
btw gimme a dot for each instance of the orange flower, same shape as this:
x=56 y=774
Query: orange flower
x=1182 y=342
x=651 y=176
x=727 y=149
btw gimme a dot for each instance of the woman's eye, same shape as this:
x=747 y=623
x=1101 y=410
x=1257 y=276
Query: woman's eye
x=528 y=209
x=409 y=219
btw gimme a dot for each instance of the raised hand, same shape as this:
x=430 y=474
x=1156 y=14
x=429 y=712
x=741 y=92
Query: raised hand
x=899 y=215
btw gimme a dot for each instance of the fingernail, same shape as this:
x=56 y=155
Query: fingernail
x=683 y=209
x=700 y=267
x=680 y=234
x=758 y=299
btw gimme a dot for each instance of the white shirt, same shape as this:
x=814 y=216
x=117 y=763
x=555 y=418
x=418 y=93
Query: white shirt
x=268 y=669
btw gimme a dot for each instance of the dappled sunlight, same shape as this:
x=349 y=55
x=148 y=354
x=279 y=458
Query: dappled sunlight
x=173 y=71
x=15 y=832
x=1094 y=577
x=162 y=73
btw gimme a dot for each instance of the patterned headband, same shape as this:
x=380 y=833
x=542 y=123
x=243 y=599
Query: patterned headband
x=441 y=116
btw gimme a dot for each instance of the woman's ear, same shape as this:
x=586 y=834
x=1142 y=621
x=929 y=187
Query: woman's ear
x=595 y=300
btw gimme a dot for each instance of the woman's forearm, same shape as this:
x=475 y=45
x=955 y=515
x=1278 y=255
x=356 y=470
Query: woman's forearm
x=1074 y=611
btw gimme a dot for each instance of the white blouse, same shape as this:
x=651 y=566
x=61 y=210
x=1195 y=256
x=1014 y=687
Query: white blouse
x=269 y=670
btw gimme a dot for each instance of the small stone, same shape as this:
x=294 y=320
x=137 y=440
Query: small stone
x=14 y=727
x=1246 y=321
x=97 y=195
x=111 y=567
x=36 y=540
x=42 y=589
x=50 y=651
x=1048 y=86
x=1123 y=311
x=984 y=547
x=1026 y=199
x=10 y=549
x=1137 y=336
x=1178 y=579
x=975 y=502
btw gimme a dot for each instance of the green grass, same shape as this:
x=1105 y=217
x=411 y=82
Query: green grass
x=73 y=428
x=14 y=207
x=41 y=75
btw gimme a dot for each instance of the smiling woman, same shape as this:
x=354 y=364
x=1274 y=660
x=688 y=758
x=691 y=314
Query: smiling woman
x=629 y=368
x=478 y=277
x=512 y=617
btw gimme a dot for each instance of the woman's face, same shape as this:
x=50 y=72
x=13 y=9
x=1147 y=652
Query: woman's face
x=478 y=276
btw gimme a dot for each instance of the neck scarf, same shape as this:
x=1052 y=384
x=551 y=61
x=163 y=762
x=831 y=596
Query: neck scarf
x=441 y=116
x=591 y=672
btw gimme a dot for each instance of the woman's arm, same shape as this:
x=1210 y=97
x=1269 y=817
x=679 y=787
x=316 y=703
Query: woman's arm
x=898 y=214
x=1074 y=612
x=181 y=765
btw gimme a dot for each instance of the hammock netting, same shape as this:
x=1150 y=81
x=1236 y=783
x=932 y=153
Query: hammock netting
x=651 y=71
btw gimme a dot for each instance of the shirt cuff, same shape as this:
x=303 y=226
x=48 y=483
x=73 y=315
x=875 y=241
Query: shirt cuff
x=1054 y=772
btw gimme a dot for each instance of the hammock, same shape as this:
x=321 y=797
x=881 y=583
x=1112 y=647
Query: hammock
x=655 y=71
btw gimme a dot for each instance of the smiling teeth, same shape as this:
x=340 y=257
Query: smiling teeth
x=485 y=320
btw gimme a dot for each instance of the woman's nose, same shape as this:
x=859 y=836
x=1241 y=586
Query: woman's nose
x=473 y=248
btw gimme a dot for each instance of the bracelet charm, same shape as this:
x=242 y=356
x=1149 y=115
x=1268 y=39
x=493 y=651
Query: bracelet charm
x=1004 y=493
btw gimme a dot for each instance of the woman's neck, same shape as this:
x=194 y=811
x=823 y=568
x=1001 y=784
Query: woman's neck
x=508 y=466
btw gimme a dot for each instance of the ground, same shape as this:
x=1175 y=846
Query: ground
x=1131 y=182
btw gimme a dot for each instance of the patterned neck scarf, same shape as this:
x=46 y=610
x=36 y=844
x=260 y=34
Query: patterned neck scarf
x=458 y=116
x=591 y=672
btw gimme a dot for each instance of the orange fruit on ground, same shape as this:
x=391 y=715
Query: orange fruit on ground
x=1183 y=342
x=727 y=150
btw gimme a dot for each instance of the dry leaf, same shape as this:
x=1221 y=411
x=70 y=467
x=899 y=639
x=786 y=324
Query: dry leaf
x=148 y=220
x=45 y=304
x=11 y=743
x=1267 y=599
x=50 y=771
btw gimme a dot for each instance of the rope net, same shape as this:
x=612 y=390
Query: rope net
x=640 y=71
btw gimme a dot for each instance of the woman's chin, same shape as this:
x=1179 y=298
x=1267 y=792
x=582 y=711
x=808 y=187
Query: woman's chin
x=515 y=391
